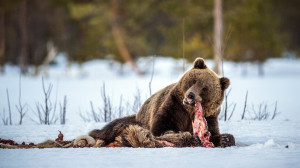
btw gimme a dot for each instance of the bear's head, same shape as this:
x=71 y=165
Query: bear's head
x=203 y=85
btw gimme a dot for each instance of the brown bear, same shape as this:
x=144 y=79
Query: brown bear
x=172 y=108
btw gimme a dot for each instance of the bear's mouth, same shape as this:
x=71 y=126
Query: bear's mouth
x=188 y=101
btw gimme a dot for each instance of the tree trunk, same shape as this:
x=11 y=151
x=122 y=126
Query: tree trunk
x=117 y=35
x=24 y=37
x=218 y=30
x=261 y=71
x=52 y=52
x=2 y=37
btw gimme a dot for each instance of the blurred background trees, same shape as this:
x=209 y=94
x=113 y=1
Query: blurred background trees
x=125 y=30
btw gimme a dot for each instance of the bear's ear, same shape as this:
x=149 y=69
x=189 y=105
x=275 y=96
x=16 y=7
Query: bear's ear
x=225 y=82
x=199 y=63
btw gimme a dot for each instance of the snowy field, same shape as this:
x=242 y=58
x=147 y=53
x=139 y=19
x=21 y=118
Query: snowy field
x=266 y=143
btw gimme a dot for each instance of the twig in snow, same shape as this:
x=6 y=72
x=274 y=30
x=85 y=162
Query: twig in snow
x=20 y=107
x=4 y=119
x=232 y=112
x=85 y=119
x=245 y=105
x=107 y=108
x=153 y=63
x=48 y=110
x=226 y=102
x=63 y=111
x=137 y=101
x=94 y=114
x=9 y=109
x=275 y=111
x=261 y=113
x=121 y=108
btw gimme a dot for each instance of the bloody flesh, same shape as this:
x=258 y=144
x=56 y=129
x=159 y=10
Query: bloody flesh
x=200 y=126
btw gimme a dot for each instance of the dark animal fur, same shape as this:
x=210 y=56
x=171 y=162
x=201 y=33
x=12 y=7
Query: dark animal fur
x=137 y=136
x=164 y=111
x=113 y=129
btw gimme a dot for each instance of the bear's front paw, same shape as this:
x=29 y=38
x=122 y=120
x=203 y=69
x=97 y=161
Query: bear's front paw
x=216 y=140
x=228 y=140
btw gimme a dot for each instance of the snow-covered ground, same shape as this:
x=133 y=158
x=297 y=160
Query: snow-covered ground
x=267 y=143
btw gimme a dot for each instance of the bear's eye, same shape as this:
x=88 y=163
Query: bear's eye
x=204 y=89
x=194 y=81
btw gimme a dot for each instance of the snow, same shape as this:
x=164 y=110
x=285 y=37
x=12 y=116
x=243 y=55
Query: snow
x=166 y=157
x=267 y=143
x=261 y=144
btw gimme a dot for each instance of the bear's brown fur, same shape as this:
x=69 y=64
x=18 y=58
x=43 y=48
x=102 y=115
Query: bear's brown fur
x=132 y=135
x=137 y=136
x=169 y=109
x=172 y=108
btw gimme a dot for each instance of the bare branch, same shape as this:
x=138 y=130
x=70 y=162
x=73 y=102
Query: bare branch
x=9 y=109
x=21 y=108
x=137 y=101
x=63 y=111
x=96 y=119
x=245 y=105
x=104 y=98
x=46 y=114
x=232 y=112
x=4 y=119
x=121 y=108
x=153 y=63
x=226 y=104
x=275 y=111
x=85 y=119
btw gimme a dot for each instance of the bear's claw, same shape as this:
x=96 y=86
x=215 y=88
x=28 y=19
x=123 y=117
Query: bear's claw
x=228 y=140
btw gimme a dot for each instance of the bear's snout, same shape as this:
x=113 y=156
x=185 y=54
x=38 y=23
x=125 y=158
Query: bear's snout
x=189 y=99
x=191 y=95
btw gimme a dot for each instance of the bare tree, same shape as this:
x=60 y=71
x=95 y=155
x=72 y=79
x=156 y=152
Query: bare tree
x=137 y=103
x=83 y=117
x=96 y=117
x=105 y=113
x=22 y=108
x=48 y=110
x=107 y=107
x=4 y=118
x=121 y=108
x=63 y=111
x=218 y=33
x=92 y=115
x=153 y=63
x=118 y=37
x=47 y=94
x=2 y=37
x=232 y=111
x=108 y=111
x=225 y=110
x=261 y=112
x=9 y=109
x=52 y=52
x=245 y=106
x=275 y=113
x=226 y=104
x=24 y=37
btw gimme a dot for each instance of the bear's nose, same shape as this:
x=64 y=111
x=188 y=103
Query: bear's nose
x=191 y=95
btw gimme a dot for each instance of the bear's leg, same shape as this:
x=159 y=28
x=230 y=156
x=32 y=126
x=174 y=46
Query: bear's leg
x=219 y=140
x=213 y=128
